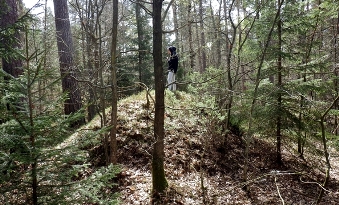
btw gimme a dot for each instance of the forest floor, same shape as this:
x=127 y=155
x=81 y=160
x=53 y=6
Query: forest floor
x=201 y=171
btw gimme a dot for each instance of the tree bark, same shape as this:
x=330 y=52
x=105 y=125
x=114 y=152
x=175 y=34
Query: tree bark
x=9 y=16
x=190 y=36
x=158 y=173
x=202 y=37
x=65 y=50
x=336 y=66
x=231 y=42
x=217 y=44
x=175 y=23
x=140 y=20
x=279 y=85
x=114 y=116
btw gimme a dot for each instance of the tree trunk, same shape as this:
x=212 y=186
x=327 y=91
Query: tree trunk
x=302 y=98
x=326 y=153
x=8 y=17
x=9 y=44
x=140 y=20
x=103 y=112
x=336 y=68
x=158 y=173
x=88 y=26
x=216 y=47
x=176 y=24
x=190 y=37
x=32 y=136
x=255 y=94
x=65 y=49
x=114 y=115
x=279 y=85
x=202 y=38
x=231 y=42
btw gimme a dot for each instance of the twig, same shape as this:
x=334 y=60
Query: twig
x=272 y=173
x=321 y=186
x=275 y=181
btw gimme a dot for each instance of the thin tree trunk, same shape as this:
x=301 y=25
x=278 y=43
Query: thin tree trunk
x=202 y=37
x=216 y=47
x=336 y=67
x=323 y=129
x=302 y=99
x=197 y=43
x=255 y=94
x=141 y=41
x=228 y=67
x=326 y=154
x=239 y=66
x=301 y=139
x=114 y=116
x=159 y=182
x=89 y=35
x=190 y=36
x=279 y=85
x=103 y=112
x=31 y=123
x=43 y=82
x=175 y=22
x=219 y=45
x=103 y=98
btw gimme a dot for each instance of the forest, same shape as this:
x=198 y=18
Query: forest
x=89 y=115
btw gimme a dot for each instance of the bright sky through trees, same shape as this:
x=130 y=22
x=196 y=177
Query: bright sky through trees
x=38 y=5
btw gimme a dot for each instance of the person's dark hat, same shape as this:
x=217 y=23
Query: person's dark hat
x=172 y=49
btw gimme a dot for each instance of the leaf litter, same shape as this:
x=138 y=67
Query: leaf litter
x=200 y=171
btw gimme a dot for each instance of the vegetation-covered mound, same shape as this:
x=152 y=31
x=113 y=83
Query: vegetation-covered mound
x=204 y=165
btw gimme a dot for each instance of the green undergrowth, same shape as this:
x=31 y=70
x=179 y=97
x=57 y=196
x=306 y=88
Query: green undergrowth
x=185 y=115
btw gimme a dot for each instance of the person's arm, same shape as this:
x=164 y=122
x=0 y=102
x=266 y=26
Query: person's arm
x=175 y=63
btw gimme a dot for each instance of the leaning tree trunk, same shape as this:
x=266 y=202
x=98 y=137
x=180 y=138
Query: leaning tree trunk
x=325 y=148
x=65 y=49
x=323 y=127
x=255 y=94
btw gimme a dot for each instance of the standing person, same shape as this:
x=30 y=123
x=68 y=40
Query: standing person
x=173 y=61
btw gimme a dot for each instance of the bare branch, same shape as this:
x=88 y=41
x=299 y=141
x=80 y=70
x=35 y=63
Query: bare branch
x=282 y=200
x=166 y=11
x=143 y=6
x=176 y=29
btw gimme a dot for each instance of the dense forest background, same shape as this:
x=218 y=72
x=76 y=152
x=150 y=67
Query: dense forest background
x=85 y=106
